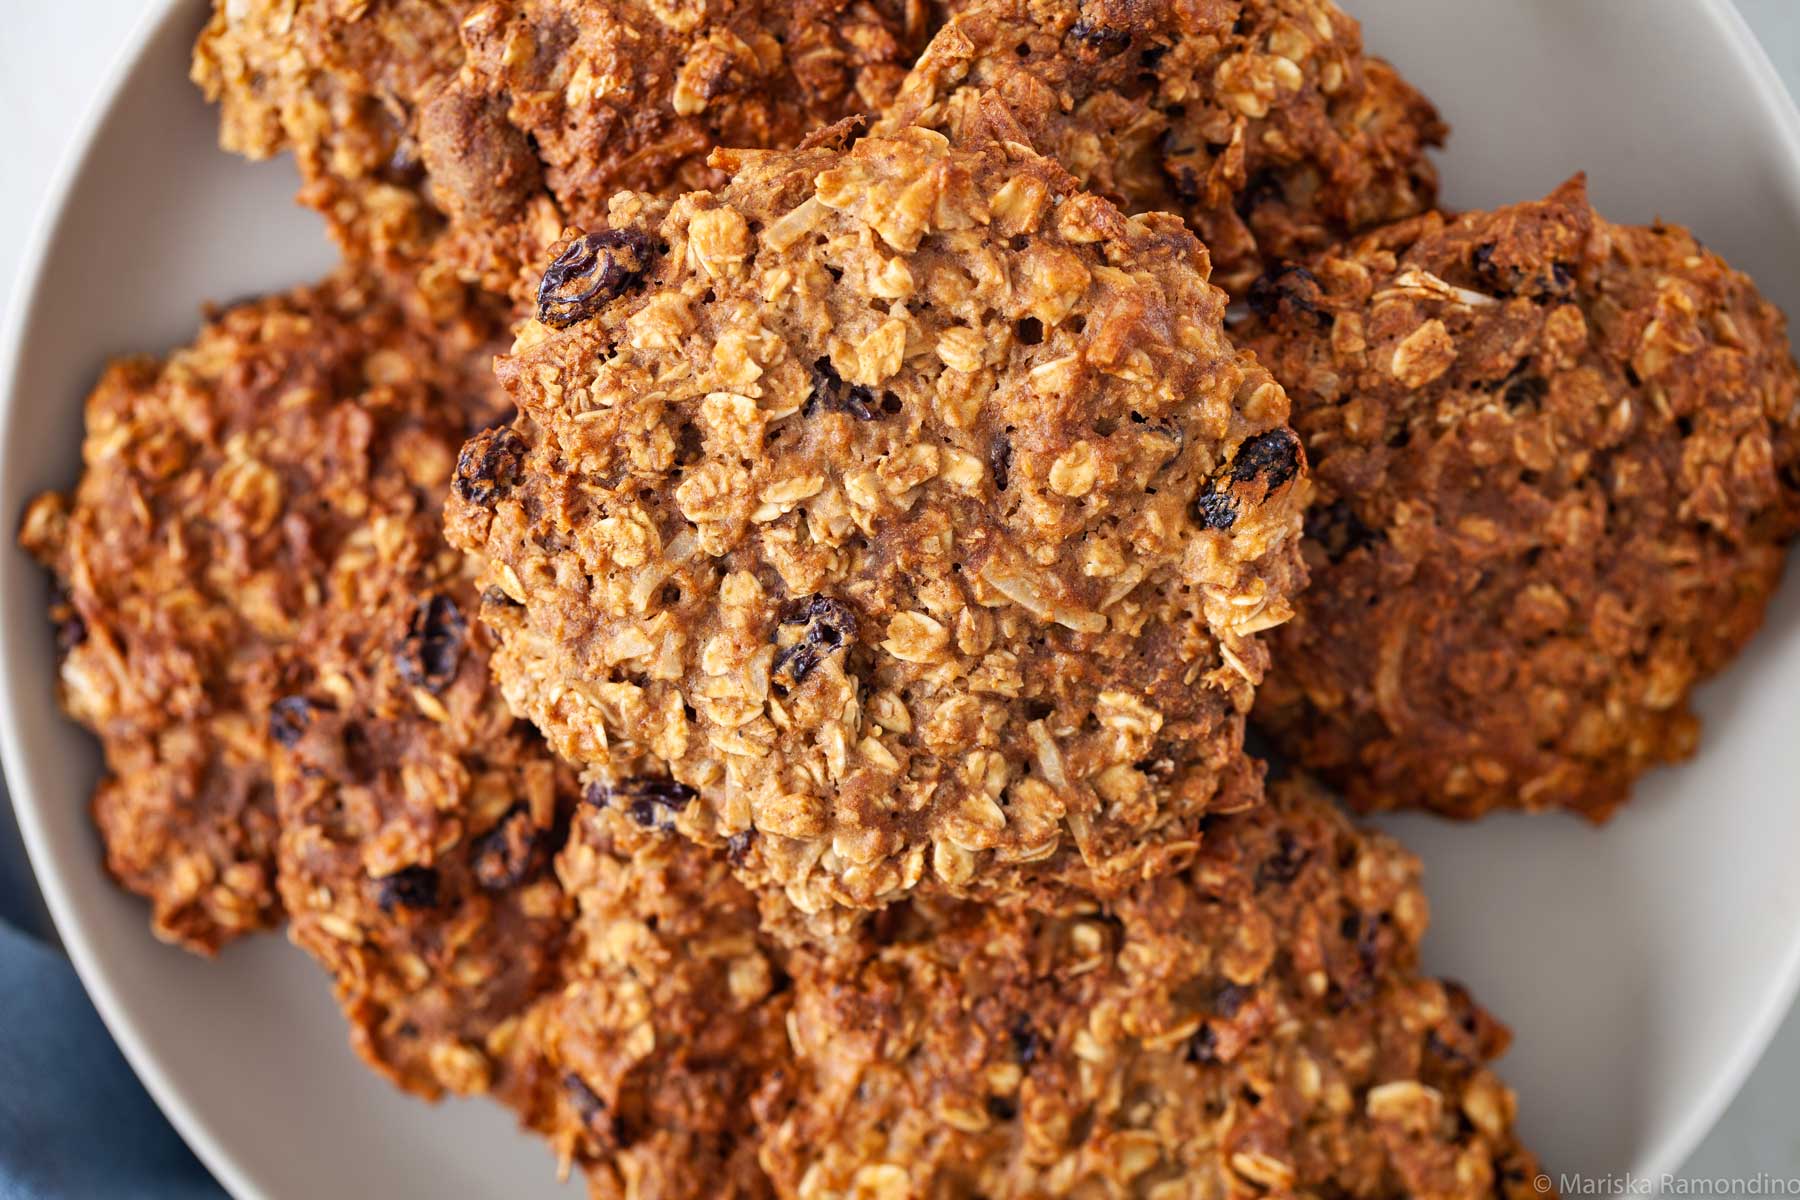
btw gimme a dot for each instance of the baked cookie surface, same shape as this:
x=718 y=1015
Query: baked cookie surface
x=419 y=822
x=1262 y=122
x=907 y=502
x=1557 y=467
x=462 y=135
x=226 y=492
x=1257 y=1023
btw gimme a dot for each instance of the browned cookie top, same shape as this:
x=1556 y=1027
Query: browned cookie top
x=1256 y=1025
x=905 y=500
x=419 y=820
x=1260 y=121
x=227 y=493
x=1557 y=464
x=456 y=135
x=659 y=1063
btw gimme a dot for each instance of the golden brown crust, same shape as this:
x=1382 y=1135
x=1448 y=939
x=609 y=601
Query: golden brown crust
x=1558 y=459
x=419 y=821
x=1254 y=1025
x=665 y=1054
x=1260 y=121
x=911 y=504
x=1257 y=1023
x=224 y=491
x=462 y=135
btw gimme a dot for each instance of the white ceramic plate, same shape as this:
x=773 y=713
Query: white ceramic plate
x=1643 y=966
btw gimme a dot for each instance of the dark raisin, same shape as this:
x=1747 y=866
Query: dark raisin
x=650 y=800
x=1215 y=510
x=831 y=394
x=431 y=653
x=1099 y=39
x=1528 y=389
x=1203 y=1047
x=409 y=887
x=509 y=853
x=1228 y=999
x=1283 y=867
x=824 y=626
x=590 y=271
x=1338 y=529
x=1000 y=460
x=1026 y=1043
x=1030 y=331
x=498 y=598
x=1260 y=189
x=737 y=847
x=288 y=720
x=1438 y=1048
x=1481 y=261
x=489 y=466
x=1272 y=457
x=1287 y=293
x=583 y=1099
x=71 y=628
x=1184 y=180
x=1001 y=1108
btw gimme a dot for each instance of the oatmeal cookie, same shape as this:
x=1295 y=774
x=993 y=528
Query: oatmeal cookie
x=225 y=491
x=419 y=820
x=1255 y=1026
x=1257 y=1023
x=462 y=135
x=909 y=503
x=1557 y=459
x=1260 y=121
x=665 y=1054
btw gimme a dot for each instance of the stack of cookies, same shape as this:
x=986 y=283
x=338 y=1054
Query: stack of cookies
x=730 y=622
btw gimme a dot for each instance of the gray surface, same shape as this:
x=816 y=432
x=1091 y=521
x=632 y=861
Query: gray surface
x=54 y=57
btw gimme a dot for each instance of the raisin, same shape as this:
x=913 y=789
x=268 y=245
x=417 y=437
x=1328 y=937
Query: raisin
x=607 y=263
x=1001 y=1109
x=489 y=466
x=71 y=631
x=737 y=847
x=831 y=394
x=1260 y=189
x=1481 y=261
x=1215 y=510
x=1000 y=461
x=1102 y=40
x=1030 y=331
x=288 y=720
x=583 y=1099
x=1338 y=529
x=1026 y=1043
x=1287 y=293
x=509 y=853
x=1203 y=1047
x=498 y=598
x=431 y=653
x=1273 y=457
x=1228 y=999
x=1528 y=389
x=1283 y=867
x=827 y=626
x=409 y=887
x=650 y=800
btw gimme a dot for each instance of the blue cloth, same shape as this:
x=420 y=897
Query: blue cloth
x=75 y=1124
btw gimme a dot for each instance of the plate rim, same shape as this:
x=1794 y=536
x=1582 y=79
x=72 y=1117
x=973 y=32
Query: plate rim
x=58 y=887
